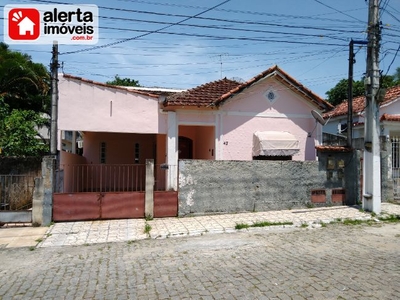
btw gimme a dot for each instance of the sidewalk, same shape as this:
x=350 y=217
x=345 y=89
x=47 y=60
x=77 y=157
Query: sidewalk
x=91 y=232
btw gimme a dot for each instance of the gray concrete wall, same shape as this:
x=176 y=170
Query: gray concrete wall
x=20 y=166
x=386 y=166
x=42 y=204
x=207 y=186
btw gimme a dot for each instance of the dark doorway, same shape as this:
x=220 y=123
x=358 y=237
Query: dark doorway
x=185 y=147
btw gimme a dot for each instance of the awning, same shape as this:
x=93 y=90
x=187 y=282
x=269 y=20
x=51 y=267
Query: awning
x=274 y=143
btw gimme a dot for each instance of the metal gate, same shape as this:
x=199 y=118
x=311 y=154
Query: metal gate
x=16 y=194
x=396 y=166
x=101 y=191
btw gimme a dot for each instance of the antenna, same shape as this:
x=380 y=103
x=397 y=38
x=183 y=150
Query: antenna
x=220 y=60
x=317 y=116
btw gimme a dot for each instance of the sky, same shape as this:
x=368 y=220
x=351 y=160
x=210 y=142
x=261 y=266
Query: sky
x=308 y=39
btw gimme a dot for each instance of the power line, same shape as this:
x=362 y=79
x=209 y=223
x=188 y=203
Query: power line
x=341 y=12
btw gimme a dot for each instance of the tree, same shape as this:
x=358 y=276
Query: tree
x=23 y=83
x=339 y=92
x=123 y=81
x=19 y=136
x=24 y=98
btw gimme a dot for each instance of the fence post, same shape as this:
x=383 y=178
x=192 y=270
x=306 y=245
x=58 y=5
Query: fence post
x=42 y=205
x=149 y=195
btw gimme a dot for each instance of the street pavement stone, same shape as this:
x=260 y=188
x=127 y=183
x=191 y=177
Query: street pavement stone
x=333 y=262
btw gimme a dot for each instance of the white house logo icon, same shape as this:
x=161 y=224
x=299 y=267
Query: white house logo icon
x=24 y=24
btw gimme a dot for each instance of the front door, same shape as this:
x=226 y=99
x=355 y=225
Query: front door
x=185 y=147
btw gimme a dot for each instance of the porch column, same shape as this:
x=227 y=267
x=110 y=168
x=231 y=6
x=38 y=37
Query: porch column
x=217 y=133
x=172 y=152
x=149 y=195
x=73 y=146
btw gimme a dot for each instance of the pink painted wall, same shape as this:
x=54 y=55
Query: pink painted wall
x=88 y=107
x=238 y=135
x=67 y=158
x=120 y=147
x=251 y=111
x=203 y=138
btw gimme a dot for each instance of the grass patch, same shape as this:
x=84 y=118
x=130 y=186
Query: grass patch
x=147 y=228
x=354 y=222
x=39 y=240
x=304 y=225
x=390 y=218
x=266 y=223
x=239 y=226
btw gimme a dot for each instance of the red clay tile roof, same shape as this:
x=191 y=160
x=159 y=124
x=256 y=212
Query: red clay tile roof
x=359 y=103
x=217 y=92
x=203 y=95
x=110 y=86
x=333 y=148
x=389 y=117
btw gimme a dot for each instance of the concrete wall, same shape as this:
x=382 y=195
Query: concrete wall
x=235 y=186
x=386 y=166
x=20 y=166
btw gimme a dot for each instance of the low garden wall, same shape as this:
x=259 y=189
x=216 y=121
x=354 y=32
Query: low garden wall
x=207 y=186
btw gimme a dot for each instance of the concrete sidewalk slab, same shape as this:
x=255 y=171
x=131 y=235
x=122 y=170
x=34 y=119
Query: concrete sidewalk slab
x=105 y=231
x=13 y=237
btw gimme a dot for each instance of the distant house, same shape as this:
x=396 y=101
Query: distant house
x=389 y=115
x=389 y=112
x=26 y=26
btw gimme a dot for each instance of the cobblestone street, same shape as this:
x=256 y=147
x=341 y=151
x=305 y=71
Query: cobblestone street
x=333 y=262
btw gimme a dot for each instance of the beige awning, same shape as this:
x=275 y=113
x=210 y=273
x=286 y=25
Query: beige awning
x=274 y=143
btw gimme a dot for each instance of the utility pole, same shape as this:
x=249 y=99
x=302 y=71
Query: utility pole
x=54 y=99
x=352 y=61
x=372 y=157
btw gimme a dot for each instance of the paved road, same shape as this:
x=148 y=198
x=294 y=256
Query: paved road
x=333 y=262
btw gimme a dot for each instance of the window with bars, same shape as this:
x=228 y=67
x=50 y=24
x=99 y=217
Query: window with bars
x=102 y=152
x=137 y=153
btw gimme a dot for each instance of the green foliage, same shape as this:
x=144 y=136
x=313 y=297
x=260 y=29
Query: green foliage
x=24 y=98
x=239 y=226
x=123 y=81
x=23 y=83
x=339 y=92
x=19 y=136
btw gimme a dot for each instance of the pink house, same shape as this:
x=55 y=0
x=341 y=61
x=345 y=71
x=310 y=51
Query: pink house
x=266 y=117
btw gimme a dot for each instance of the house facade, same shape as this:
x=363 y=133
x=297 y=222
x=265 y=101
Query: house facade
x=266 y=117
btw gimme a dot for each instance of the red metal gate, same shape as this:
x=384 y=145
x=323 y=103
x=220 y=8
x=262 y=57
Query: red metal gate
x=95 y=192
x=97 y=206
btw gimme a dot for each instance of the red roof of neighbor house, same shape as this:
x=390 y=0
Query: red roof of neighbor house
x=390 y=117
x=324 y=148
x=359 y=103
x=217 y=92
x=125 y=89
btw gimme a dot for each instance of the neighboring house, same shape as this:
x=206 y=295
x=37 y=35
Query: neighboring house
x=26 y=26
x=389 y=114
x=267 y=117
